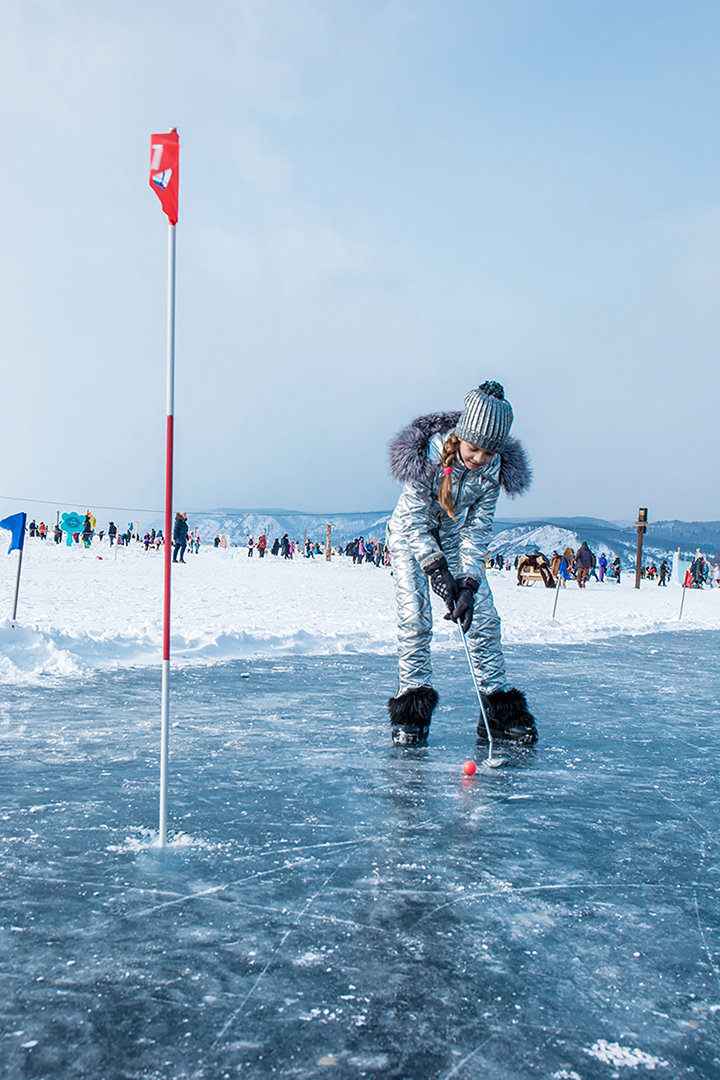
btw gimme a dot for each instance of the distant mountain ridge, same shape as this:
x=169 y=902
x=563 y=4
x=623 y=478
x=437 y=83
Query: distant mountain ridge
x=662 y=538
x=237 y=525
x=511 y=536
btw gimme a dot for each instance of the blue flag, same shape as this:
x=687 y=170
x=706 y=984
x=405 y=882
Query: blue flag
x=16 y=524
x=564 y=569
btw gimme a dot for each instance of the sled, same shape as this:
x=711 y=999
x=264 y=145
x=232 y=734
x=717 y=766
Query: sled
x=535 y=567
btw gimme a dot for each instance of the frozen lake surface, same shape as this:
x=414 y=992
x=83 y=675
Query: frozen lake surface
x=335 y=907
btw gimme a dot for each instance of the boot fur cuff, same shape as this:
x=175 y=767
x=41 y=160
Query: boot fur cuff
x=414 y=707
x=508 y=705
x=509 y=717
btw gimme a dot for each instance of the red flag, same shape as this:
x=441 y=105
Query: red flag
x=164 y=171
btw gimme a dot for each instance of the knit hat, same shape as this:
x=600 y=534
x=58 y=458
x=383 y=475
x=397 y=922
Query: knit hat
x=486 y=419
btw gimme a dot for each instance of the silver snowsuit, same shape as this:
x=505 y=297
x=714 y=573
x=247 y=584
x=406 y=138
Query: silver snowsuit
x=419 y=530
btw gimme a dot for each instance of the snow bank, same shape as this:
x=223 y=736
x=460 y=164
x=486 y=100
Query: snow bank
x=83 y=610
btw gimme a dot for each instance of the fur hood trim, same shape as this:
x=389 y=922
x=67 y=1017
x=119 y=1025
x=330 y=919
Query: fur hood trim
x=515 y=468
x=409 y=460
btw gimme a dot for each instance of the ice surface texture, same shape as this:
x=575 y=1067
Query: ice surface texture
x=335 y=907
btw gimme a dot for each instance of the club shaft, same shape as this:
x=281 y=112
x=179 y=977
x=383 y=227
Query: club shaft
x=477 y=691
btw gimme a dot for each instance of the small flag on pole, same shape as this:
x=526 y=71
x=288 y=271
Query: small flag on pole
x=164 y=171
x=16 y=524
x=566 y=576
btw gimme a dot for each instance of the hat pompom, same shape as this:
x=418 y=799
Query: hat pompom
x=493 y=389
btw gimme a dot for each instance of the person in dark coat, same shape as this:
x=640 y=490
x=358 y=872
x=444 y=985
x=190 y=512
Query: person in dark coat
x=87 y=531
x=180 y=536
x=697 y=569
x=583 y=562
x=285 y=546
x=593 y=567
x=662 y=579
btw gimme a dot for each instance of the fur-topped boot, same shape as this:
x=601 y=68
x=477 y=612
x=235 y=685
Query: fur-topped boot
x=509 y=717
x=410 y=714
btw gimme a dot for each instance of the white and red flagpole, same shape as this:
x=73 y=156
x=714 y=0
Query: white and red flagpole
x=164 y=169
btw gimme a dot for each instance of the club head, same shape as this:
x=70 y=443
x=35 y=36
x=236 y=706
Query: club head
x=494 y=762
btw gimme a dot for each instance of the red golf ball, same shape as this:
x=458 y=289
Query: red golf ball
x=469 y=768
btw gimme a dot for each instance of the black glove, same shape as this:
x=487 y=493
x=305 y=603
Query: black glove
x=462 y=611
x=441 y=580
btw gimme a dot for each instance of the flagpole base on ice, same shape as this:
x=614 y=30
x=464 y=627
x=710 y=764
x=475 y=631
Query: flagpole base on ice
x=164 y=734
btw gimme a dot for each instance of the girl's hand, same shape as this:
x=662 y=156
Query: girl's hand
x=463 y=609
x=442 y=582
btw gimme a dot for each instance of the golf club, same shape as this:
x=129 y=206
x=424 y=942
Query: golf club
x=491 y=762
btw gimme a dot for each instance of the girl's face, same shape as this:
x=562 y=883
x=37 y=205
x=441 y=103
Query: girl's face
x=474 y=457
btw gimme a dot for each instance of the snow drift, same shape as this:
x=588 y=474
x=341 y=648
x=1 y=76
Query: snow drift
x=81 y=610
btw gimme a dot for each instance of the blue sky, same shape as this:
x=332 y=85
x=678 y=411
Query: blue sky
x=382 y=205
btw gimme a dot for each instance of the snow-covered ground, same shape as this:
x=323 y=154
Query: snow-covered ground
x=84 y=610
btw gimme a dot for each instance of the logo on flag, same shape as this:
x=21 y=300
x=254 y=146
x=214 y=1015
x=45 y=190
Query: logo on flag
x=164 y=171
x=162 y=179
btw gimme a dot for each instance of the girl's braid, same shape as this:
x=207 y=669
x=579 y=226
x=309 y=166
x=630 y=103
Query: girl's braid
x=445 y=492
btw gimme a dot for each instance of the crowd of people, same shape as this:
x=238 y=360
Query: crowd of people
x=583 y=565
x=580 y=566
x=185 y=540
x=701 y=573
x=359 y=550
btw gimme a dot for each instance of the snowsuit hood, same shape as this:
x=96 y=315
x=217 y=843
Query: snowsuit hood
x=411 y=459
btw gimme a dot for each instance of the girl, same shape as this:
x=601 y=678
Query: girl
x=452 y=466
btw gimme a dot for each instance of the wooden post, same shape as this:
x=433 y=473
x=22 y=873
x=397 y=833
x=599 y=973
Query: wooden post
x=641 y=525
x=328 y=544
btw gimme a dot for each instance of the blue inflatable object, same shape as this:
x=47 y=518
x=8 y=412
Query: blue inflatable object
x=71 y=523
